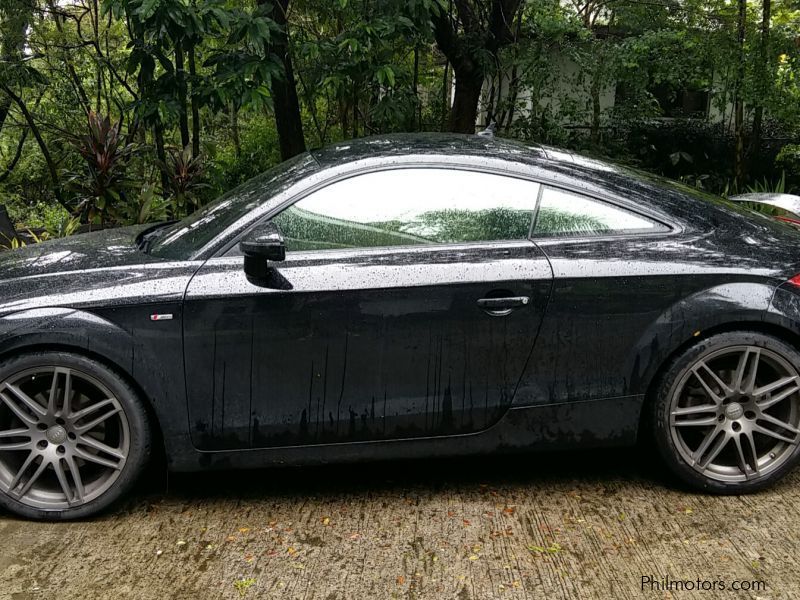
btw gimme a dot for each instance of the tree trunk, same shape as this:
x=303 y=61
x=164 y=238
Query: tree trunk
x=415 y=87
x=195 y=103
x=237 y=144
x=763 y=75
x=7 y=231
x=158 y=136
x=595 y=91
x=456 y=39
x=464 y=113
x=739 y=166
x=284 y=90
x=183 y=115
x=13 y=37
x=446 y=85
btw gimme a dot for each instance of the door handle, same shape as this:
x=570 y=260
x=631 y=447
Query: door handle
x=503 y=306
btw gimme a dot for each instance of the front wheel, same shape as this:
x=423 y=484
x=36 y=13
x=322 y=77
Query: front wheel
x=74 y=436
x=726 y=415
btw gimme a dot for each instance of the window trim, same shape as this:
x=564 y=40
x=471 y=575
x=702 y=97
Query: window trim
x=226 y=249
x=671 y=226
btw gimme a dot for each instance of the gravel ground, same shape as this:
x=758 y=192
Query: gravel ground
x=578 y=525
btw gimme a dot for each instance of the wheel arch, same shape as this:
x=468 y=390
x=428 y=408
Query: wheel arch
x=758 y=326
x=113 y=366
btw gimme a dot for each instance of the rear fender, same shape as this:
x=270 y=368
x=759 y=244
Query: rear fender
x=693 y=317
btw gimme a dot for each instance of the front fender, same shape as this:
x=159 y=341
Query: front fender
x=127 y=343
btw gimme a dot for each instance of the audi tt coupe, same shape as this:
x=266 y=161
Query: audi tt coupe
x=404 y=296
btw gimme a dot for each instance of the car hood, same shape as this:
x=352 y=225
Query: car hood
x=96 y=250
x=99 y=270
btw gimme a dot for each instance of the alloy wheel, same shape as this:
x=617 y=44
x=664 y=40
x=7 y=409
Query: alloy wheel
x=64 y=438
x=735 y=414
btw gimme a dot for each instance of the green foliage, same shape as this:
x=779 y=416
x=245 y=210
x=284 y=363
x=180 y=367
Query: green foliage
x=769 y=187
x=788 y=160
x=19 y=242
x=184 y=175
x=148 y=207
x=208 y=74
x=258 y=151
x=64 y=227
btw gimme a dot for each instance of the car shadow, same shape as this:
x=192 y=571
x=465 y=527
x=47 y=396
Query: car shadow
x=617 y=467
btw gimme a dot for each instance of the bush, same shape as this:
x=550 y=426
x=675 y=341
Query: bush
x=788 y=160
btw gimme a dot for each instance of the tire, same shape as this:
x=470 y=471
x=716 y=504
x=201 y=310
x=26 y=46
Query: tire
x=688 y=432
x=63 y=414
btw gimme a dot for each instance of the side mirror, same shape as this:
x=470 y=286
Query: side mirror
x=261 y=246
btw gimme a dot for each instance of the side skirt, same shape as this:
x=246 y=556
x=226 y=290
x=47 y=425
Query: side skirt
x=591 y=424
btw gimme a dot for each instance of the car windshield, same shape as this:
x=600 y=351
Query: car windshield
x=183 y=239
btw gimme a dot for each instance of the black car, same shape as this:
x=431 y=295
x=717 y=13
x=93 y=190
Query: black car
x=407 y=296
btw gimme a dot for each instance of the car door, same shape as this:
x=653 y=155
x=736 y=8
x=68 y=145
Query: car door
x=408 y=306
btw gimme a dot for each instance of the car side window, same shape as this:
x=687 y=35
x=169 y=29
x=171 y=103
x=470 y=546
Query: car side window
x=562 y=213
x=409 y=207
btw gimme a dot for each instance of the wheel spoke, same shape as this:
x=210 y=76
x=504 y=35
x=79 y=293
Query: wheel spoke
x=702 y=367
x=692 y=411
x=93 y=408
x=88 y=456
x=32 y=479
x=80 y=492
x=701 y=449
x=743 y=464
x=784 y=387
x=66 y=393
x=773 y=434
x=31 y=404
x=61 y=475
x=719 y=444
x=94 y=423
x=751 y=444
x=744 y=378
x=15 y=433
x=27 y=445
x=779 y=423
x=15 y=481
x=101 y=447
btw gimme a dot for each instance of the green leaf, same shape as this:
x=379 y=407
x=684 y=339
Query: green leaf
x=147 y=9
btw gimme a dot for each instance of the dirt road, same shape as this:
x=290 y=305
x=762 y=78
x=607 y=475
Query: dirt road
x=584 y=525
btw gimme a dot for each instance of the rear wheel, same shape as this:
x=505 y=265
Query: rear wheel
x=727 y=412
x=74 y=436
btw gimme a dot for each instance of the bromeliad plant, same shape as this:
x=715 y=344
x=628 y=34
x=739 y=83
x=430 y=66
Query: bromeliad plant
x=100 y=188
